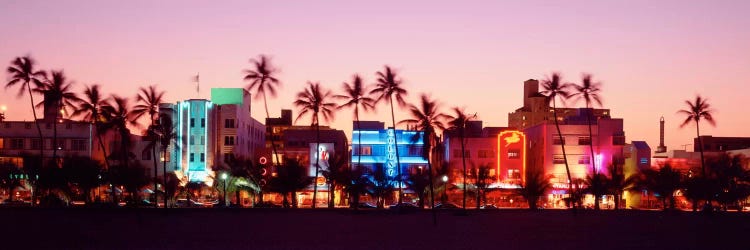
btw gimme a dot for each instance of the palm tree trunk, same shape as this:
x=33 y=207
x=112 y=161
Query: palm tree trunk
x=565 y=157
x=317 y=161
x=164 y=173
x=237 y=198
x=463 y=159
x=703 y=161
x=359 y=153
x=156 y=178
x=591 y=144
x=398 y=161
x=273 y=141
x=41 y=147
x=432 y=191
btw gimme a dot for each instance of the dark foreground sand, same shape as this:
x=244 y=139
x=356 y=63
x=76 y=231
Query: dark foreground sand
x=345 y=229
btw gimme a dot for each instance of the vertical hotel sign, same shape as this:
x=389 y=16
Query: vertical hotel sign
x=390 y=153
x=511 y=153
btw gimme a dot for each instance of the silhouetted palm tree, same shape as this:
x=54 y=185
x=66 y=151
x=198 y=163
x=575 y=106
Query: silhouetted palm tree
x=117 y=117
x=89 y=107
x=697 y=111
x=262 y=78
x=337 y=175
x=483 y=180
x=244 y=175
x=588 y=91
x=167 y=136
x=148 y=100
x=289 y=179
x=379 y=184
x=83 y=172
x=355 y=95
x=57 y=92
x=554 y=88
x=315 y=101
x=618 y=183
x=427 y=119
x=598 y=185
x=458 y=122
x=387 y=88
x=664 y=181
x=418 y=181
x=731 y=178
x=536 y=186
x=23 y=73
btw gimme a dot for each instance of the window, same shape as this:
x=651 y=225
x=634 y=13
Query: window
x=60 y=144
x=192 y=157
x=203 y=140
x=68 y=126
x=192 y=139
x=203 y=157
x=584 y=159
x=228 y=123
x=618 y=140
x=2 y=143
x=415 y=150
x=16 y=143
x=365 y=150
x=36 y=144
x=556 y=140
x=514 y=174
x=78 y=145
x=644 y=160
x=483 y=153
x=514 y=154
x=203 y=122
x=192 y=122
x=584 y=140
x=7 y=125
x=558 y=159
x=228 y=140
x=146 y=155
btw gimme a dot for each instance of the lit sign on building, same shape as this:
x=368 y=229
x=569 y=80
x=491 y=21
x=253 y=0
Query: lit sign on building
x=390 y=162
x=323 y=159
x=511 y=155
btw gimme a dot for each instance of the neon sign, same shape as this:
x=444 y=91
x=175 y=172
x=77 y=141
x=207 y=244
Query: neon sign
x=515 y=140
x=390 y=161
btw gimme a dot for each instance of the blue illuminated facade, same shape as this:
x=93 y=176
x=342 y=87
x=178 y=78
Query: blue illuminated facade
x=192 y=159
x=377 y=148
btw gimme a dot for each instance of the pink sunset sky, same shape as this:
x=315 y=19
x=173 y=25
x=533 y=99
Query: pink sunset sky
x=649 y=55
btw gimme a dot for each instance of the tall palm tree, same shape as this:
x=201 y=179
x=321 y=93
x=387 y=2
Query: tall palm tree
x=89 y=107
x=663 y=181
x=355 y=95
x=597 y=184
x=167 y=136
x=262 y=78
x=554 y=88
x=458 y=122
x=315 y=101
x=619 y=183
x=588 y=91
x=117 y=118
x=22 y=72
x=697 y=111
x=536 y=185
x=427 y=120
x=388 y=88
x=58 y=93
x=148 y=103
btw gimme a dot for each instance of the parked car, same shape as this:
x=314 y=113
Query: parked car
x=366 y=205
x=488 y=206
x=403 y=206
x=447 y=205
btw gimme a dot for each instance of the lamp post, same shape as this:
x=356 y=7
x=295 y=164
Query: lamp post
x=224 y=178
x=445 y=188
x=3 y=108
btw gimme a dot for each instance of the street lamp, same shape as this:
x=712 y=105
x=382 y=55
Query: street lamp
x=3 y=108
x=445 y=188
x=224 y=178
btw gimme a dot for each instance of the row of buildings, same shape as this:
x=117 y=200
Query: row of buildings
x=209 y=132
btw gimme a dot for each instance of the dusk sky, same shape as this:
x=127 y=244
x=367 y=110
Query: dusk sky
x=649 y=55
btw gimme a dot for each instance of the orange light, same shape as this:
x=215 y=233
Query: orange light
x=507 y=138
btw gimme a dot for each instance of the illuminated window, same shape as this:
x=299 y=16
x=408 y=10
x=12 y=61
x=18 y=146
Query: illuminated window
x=514 y=154
x=584 y=159
x=514 y=174
x=558 y=159
x=644 y=160
x=365 y=150
x=2 y=143
x=584 y=140
x=556 y=140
